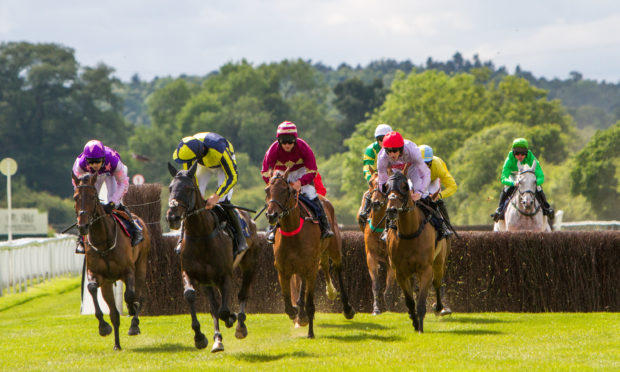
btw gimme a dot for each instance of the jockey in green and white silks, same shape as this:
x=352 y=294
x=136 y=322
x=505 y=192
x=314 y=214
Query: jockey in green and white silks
x=520 y=153
x=370 y=167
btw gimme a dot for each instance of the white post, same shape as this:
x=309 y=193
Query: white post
x=8 y=193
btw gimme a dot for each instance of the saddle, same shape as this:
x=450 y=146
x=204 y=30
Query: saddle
x=227 y=226
x=311 y=212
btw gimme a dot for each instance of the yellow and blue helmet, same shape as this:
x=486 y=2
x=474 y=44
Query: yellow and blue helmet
x=189 y=149
x=427 y=153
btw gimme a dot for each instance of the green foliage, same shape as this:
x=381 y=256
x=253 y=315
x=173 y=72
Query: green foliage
x=355 y=100
x=595 y=172
x=49 y=108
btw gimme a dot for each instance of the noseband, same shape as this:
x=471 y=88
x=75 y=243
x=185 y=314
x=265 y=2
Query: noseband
x=285 y=211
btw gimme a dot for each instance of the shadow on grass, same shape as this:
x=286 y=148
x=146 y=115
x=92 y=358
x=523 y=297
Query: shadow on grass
x=263 y=358
x=470 y=332
x=360 y=337
x=174 y=348
x=353 y=325
x=25 y=301
x=473 y=319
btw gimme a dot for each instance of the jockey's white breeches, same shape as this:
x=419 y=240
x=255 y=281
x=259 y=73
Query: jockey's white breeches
x=203 y=176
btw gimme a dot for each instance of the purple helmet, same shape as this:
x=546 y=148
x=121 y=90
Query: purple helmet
x=94 y=149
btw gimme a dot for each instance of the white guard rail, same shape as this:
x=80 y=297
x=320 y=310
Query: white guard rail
x=28 y=261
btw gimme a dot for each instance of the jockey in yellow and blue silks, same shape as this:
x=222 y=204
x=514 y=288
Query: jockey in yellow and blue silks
x=520 y=153
x=215 y=156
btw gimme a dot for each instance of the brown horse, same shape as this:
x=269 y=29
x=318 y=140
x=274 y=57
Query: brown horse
x=110 y=257
x=207 y=256
x=298 y=250
x=376 y=249
x=413 y=250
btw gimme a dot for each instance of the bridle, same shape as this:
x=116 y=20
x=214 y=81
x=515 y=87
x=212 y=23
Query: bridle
x=284 y=210
x=397 y=193
x=92 y=218
x=522 y=193
x=189 y=206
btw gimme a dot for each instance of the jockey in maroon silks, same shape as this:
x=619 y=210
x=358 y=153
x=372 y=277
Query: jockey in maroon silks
x=290 y=151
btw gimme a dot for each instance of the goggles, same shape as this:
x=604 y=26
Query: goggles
x=393 y=149
x=286 y=142
x=94 y=160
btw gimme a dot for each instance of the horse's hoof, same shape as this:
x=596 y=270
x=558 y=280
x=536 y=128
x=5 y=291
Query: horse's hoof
x=230 y=321
x=241 y=332
x=303 y=321
x=117 y=348
x=310 y=335
x=217 y=346
x=200 y=341
x=105 y=329
x=134 y=331
x=445 y=311
x=351 y=313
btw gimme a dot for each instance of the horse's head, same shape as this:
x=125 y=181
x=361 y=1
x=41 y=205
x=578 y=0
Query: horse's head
x=183 y=195
x=86 y=201
x=280 y=197
x=377 y=197
x=397 y=195
x=527 y=186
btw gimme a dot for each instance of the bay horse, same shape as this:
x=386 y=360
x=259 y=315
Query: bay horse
x=207 y=256
x=376 y=249
x=524 y=211
x=299 y=251
x=413 y=250
x=110 y=257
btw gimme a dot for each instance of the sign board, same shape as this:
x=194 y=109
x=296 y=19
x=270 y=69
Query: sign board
x=24 y=221
x=8 y=166
x=137 y=179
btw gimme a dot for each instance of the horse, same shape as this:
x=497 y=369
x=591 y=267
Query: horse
x=376 y=249
x=299 y=251
x=207 y=256
x=524 y=211
x=412 y=249
x=110 y=257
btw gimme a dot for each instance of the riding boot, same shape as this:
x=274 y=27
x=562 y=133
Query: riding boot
x=326 y=231
x=547 y=210
x=242 y=244
x=365 y=210
x=270 y=233
x=137 y=237
x=499 y=212
x=79 y=246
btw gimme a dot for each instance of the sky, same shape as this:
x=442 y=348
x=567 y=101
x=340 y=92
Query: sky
x=549 y=38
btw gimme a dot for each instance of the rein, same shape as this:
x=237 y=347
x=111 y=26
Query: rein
x=514 y=202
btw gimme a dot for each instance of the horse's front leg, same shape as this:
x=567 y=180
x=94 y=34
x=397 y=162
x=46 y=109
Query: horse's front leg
x=388 y=296
x=374 y=269
x=133 y=307
x=104 y=328
x=348 y=310
x=405 y=285
x=248 y=274
x=425 y=278
x=299 y=287
x=285 y=286
x=310 y=303
x=200 y=341
x=108 y=295
x=224 y=311
x=218 y=344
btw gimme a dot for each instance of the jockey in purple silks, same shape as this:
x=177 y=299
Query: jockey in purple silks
x=106 y=163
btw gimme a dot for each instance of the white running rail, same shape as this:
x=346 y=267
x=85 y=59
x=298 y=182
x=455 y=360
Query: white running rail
x=28 y=261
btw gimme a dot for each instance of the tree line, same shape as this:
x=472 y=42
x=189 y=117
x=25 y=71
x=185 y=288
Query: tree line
x=468 y=111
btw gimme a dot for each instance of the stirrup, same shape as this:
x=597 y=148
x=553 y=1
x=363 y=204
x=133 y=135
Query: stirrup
x=79 y=249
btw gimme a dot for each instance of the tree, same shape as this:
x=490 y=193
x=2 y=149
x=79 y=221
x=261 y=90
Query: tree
x=596 y=171
x=44 y=97
x=355 y=100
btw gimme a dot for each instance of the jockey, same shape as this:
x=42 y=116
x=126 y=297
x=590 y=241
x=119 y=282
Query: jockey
x=440 y=177
x=290 y=151
x=370 y=168
x=215 y=155
x=520 y=153
x=106 y=163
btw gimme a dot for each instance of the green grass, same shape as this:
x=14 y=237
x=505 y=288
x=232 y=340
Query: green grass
x=42 y=330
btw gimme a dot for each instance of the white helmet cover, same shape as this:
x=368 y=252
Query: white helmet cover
x=382 y=130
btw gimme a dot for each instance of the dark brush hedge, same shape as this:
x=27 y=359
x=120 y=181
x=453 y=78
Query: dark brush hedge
x=517 y=272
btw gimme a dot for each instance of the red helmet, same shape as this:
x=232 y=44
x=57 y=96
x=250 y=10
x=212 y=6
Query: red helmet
x=393 y=140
